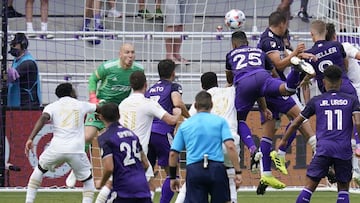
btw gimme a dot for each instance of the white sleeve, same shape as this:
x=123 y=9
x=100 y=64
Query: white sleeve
x=192 y=110
x=156 y=109
x=350 y=50
x=49 y=110
x=88 y=107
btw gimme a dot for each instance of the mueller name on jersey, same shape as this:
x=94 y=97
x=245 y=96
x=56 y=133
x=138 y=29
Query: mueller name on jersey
x=334 y=102
x=327 y=52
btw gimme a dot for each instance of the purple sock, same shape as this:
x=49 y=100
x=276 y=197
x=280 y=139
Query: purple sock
x=290 y=140
x=343 y=197
x=246 y=136
x=265 y=148
x=356 y=136
x=292 y=81
x=166 y=192
x=304 y=196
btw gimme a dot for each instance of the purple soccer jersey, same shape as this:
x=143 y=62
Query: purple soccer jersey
x=129 y=179
x=334 y=123
x=270 y=42
x=161 y=92
x=330 y=53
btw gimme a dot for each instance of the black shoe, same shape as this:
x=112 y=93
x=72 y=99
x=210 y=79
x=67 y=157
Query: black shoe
x=331 y=176
x=261 y=189
x=12 y=13
x=304 y=16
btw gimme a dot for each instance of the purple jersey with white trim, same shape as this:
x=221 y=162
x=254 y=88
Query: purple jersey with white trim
x=334 y=124
x=161 y=92
x=327 y=53
x=270 y=42
x=246 y=60
x=129 y=179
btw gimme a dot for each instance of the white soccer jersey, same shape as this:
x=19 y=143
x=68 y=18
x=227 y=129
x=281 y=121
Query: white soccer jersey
x=223 y=99
x=354 y=67
x=137 y=114
x=67 y=116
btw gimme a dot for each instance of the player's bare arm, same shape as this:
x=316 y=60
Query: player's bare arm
x=172 y=119
x=263 y=108
x=292 y=128
x=144 y=160
x=173 y=161
x=178 y=102
x=44 y=118
x=108 y=168
x=229 y=77
x=356 y=116
x=281 y=64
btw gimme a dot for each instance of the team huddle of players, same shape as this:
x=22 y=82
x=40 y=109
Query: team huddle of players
x=135 y=130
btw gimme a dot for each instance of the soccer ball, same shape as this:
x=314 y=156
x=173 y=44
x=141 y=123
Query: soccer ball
x=235 y=19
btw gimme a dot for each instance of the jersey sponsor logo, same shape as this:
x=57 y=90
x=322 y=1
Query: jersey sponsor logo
x=273 y=44
x=120 y=88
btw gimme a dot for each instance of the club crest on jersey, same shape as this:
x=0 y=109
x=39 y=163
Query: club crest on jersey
x=273 y=44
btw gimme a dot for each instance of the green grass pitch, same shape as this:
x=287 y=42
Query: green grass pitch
x=269 y=197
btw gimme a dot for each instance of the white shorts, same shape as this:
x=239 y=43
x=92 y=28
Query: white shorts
x=79 y=162
x=178 y=12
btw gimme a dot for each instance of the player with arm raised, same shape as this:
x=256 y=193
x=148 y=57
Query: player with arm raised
x=272 y=43
x=168 y=94
x=252 y=81
x=108 y=83
x=68 y=142
x=123 y=159
x=334 y=112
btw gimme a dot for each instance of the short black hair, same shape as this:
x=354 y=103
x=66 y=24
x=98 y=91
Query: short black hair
x=64 y=90
x=203 y=100
x=137 y=80
x=333 y=73
x=110 y=112
x=330 y=31
x=20 y=38
x=276 y=18
x=239 y=38
x=165 y=68
x=208 y=80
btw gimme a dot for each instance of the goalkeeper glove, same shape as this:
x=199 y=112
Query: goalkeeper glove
x=93 y=99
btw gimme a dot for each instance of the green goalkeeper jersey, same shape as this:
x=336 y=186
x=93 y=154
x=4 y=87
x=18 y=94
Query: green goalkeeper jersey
x=114 y=81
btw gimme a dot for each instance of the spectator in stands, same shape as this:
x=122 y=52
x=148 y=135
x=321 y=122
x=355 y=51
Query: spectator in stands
x=44 y=9
x=177 y=13
x=23 y=76
x=202 y=135
x=112 y=12
x=11 y=12
x=303 y=14
x=67 y=145
x=284 y=7
x=145 y=14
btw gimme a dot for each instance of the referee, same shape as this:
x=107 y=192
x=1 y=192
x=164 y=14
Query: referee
x=202 y=136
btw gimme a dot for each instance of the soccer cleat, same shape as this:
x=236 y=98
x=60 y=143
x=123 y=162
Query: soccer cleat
x=158 y=14
x=303 y=15
x=272 y=181
x=302 y=65
x=279 y=162
x=331 y=176
x=260 y=190
x=71 y=179
x=255 y=161
x=145 y=14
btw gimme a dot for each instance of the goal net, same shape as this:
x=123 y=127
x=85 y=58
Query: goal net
x=75 y=52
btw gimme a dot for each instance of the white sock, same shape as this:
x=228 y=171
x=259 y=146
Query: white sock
x=182 y=194
x=29 y=26
x=152 y=195
x=34 y=183
x=88 y=191
x=103 y=195
x=44 y=26
x=281 y=153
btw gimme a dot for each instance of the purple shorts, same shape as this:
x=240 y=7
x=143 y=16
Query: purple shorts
x=277 y=105
x=251 y=87
x=159 y=148
x=319 y=167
